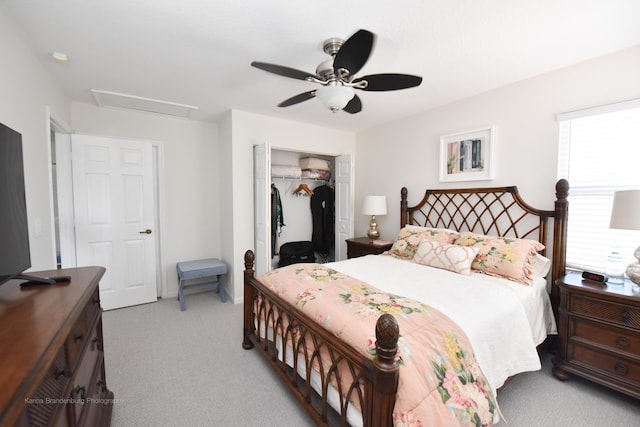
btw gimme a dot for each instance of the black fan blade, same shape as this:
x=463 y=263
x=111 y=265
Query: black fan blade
x=301 y=97
x=354 y=106
x=354 y=53
x=382 y=82
x=282 y=70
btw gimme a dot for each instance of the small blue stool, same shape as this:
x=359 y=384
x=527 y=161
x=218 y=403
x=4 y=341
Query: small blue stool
x=200 y=269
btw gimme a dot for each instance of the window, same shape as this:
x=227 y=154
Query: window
x=599 y=153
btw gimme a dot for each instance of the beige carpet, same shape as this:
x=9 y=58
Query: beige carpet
x=173 y=368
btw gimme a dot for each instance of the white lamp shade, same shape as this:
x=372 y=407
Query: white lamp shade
x=625 y=213
x=374 y=205
x=335 y=97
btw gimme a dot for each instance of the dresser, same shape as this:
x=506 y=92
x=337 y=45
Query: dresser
x=360 y=246
x=51 y=352
x=599 y=334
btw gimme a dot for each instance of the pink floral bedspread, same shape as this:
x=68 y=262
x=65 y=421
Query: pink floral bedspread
x=440 y=382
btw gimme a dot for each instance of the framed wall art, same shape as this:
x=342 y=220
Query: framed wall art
x=467 y=156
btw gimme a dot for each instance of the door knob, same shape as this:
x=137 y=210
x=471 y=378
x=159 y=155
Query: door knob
x=147 y=231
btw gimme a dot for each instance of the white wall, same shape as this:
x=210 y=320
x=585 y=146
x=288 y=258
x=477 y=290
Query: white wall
x=191 y=177
x=250 y=129
x=406 y=153
x=227 y=249
x=26 y=93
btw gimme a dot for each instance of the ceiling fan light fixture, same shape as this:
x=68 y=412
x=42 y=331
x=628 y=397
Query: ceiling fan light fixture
x=335 y=97
x=336 y=76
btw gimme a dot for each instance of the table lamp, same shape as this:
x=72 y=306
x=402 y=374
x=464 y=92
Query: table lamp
x=374 y=205
x=625 y=215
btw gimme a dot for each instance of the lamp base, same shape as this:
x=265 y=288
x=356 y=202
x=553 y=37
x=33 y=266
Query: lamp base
x=633 y=271
x=373 y=232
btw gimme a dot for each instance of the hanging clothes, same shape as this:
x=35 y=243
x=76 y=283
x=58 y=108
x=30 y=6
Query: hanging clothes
x=323 y=216
x=277 y=217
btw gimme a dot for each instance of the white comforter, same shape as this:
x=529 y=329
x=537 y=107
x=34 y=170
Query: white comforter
x=504 y=320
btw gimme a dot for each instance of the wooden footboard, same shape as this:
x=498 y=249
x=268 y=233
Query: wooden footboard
x=352 y=383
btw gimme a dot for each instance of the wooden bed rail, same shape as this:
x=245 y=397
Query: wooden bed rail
x=373 y=383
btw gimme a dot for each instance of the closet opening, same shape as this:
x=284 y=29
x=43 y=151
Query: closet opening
x=299 y=188
x=302 y=208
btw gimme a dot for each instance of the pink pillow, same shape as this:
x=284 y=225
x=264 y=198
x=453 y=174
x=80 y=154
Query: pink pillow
x=502 y=256
x=409 y=238
x=447 y=257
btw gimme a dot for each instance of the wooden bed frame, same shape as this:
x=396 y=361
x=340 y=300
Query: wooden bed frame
x=493 y=211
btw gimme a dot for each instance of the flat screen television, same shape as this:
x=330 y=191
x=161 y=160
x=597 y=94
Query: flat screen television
x=14 y=231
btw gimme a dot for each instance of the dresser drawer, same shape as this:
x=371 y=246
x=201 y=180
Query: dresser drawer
x=99 y=398
x=76 y=339
x=44 y=403
x=82 y=387
x=617 y=339
x=617 y=313
x=621 y=368
x=361 y=246
x=82 y=328
x=93 y=308
x=358 y=252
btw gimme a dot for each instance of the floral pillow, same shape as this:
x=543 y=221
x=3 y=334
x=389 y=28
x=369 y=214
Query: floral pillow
x=409 y=238
x=447 y=257
x=502 y=256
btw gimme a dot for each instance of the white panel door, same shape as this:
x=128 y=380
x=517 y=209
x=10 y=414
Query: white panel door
x=344 y=204
x=114 y=216
x=262 y=207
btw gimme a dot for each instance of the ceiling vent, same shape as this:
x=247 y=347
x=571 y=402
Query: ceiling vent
x=120 y=100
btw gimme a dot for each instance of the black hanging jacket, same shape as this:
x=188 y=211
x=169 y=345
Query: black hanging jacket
x=322 y=212
x=277 y=217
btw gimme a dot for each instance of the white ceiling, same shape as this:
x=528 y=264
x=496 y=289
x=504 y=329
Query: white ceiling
x=197 y=52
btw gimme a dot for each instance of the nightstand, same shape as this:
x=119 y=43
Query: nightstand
x=599 y=334
x=360 y=246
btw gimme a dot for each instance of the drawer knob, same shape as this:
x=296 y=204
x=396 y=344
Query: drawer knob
x=623 y=343
x=626 y=316
x=621 y=369
x=96 y=344
x=80 y=390
x=64 y=372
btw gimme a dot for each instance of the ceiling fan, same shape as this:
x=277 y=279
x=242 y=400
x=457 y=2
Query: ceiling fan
x=336 y=76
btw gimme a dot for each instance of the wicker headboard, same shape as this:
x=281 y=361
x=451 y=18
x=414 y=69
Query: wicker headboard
x=495 y=211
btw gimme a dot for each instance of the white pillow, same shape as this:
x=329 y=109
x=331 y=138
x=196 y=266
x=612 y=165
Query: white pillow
x=447 y=257
x=541 y=265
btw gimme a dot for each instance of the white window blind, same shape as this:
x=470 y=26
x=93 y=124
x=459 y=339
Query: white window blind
x=599 y=153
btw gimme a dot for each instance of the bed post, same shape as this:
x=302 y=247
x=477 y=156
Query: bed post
x=386 y=371
x=404 y=214
x=249 y=326
x=559 y=262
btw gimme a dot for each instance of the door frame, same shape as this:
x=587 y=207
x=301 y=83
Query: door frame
x=68 y=234
x=270 y=148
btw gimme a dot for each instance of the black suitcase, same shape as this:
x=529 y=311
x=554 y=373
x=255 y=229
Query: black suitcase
x=296 y=252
